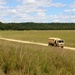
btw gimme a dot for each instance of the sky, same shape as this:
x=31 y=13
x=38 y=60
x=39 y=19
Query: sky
x=40 y=11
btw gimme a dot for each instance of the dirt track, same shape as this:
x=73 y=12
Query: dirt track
x=70 y=48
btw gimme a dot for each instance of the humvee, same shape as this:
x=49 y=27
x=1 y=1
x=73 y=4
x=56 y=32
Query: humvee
x=56 y=42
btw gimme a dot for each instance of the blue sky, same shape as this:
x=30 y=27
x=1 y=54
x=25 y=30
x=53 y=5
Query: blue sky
x=45 y=11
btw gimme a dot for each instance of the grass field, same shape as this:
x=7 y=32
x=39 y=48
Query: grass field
x=41 y=36
x=27 y=59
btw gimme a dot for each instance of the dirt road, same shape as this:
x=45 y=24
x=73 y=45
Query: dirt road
x=13 y=40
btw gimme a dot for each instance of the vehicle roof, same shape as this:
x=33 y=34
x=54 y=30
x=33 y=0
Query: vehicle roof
x=55 y=38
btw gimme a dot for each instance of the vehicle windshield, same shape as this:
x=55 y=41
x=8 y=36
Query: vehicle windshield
x=61 y=41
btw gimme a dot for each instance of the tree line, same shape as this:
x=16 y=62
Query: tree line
x=37 y=26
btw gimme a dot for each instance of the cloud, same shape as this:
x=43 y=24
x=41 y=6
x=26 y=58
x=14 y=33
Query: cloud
x=67 y=10
x=38 y=7
x=72 y=5
x=18 y=0
x=2 y=2
x=29 y=1
x=62 y=18
x=58 y=5
x=42 y=3
x=32 y=11
x=71 y=8
x=42 y=17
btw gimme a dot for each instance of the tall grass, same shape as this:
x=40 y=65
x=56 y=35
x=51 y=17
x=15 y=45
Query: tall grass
x=27 y=59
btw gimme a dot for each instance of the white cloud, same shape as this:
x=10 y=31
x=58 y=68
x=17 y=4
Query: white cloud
x=67 y=10
x=56 y=20
x=70 y=10
x=62 y=18
x=72 y=5
x=41 y=14
x=58 y=5
x=18 y=0
x=2 y=2
x=29 y=1
x=42 y=3
x=33 y=6
x=22 y=12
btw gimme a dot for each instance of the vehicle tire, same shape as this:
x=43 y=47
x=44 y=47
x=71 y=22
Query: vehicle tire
x=55 y=45
x=61 y=46
x=52 y=44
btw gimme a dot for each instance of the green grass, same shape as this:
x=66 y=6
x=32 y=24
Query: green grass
x=41 y=36
x=27 y=59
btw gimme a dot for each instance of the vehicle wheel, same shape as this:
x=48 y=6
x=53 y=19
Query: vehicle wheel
x=61 y=46
x=55 y=45
x=52 y=44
